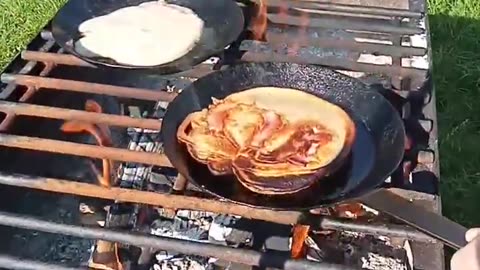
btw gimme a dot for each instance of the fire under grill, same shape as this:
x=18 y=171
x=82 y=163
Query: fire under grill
x=384 y=44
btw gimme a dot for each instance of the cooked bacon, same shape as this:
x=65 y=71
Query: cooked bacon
x=278 y=139
x=244 y=139
x=217 y=114
x=272 y=123
x=242 y=123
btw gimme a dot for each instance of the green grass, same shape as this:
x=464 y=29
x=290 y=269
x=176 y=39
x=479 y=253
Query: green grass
x=455 y=27
x=20 y=21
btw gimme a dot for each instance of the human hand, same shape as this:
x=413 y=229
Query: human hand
x=468 y=257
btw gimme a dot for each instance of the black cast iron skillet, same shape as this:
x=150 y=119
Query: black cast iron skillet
x=377 y=150
x=223 y=23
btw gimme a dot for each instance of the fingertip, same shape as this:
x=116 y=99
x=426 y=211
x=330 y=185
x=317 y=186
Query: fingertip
x=472 y=234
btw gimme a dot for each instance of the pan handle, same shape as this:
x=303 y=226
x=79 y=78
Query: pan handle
x=437 y=226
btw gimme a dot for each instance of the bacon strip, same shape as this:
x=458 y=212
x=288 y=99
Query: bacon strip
x=297 y=145
x=217 y=113
x=272 y=123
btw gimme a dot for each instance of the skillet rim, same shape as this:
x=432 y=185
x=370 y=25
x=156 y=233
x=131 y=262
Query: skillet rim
x=359 y=189
x=59 y=35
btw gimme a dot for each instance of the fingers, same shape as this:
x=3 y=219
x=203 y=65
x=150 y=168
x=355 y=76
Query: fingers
x=467 y=258
x=472 y=234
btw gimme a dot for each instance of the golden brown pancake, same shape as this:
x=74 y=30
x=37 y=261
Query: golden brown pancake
x=276 y=140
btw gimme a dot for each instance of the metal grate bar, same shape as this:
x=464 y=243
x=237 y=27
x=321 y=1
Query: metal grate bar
x=87 y=87
x=237 y=255
x=192 y=203
x=352 y=45
x=336 y=63
x=71 y=60
x=5 y=93
x=57 y=58
x=348 y=8
x=344 y=24
x=83 y=150
x=68 y=114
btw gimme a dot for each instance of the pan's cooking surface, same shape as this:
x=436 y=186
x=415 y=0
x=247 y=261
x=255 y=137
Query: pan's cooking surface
x=223 y=23
x=325 y=191
x=377 y=151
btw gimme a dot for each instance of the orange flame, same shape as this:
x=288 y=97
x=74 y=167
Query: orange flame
x=259 y=25
x=349 y=210
x=102 y=135
x=300 y=235
x=259 y=22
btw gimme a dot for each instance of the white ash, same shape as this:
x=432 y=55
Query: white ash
x=420 y=62
x=371 y=40
x=352 y=234
x=374 y=59
x=213 y=60
x=376 y=261
x=195 y=226
x=370 y=210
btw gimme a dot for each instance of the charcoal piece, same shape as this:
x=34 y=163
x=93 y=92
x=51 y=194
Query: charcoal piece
x=277 y=243
x=179 y=228
x=270 y=236
x=159 y=113
x=231 y=231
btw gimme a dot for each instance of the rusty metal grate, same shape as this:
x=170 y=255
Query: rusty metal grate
x=371 y=30
x=171 y=201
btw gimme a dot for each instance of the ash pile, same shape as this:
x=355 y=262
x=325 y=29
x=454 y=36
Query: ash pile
x=198 y=226
x=352 y=249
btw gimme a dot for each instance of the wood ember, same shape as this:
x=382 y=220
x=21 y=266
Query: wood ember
x=357 y=250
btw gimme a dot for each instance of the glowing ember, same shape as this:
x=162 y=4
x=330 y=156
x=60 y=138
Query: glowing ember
x=300 y=235
x=349 y=210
